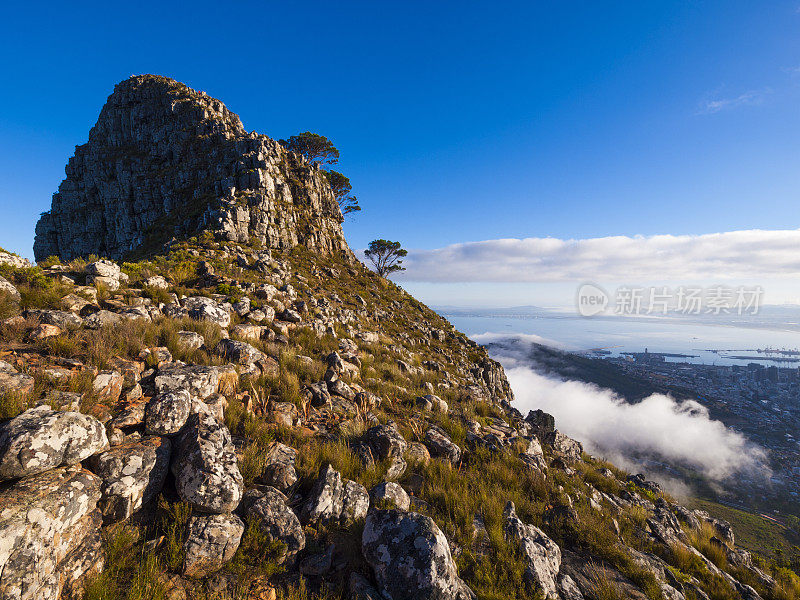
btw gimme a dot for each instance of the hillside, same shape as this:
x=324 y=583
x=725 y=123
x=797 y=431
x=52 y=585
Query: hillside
x=227 y=417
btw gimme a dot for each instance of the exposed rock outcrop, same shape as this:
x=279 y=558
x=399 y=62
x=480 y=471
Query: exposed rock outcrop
x=164 y=160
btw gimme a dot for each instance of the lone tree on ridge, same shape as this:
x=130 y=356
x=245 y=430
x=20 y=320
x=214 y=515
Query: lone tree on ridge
x=385 y=255
x=317 y=149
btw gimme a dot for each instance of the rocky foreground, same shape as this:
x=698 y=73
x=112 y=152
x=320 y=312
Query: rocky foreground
x=243 y=410
x=290 y=437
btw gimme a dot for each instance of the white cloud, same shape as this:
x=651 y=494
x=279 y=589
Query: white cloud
x=749 y=98
x=658 y=426
x=748 y=254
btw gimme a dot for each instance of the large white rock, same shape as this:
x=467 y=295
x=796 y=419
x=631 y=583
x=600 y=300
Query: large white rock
x=205 y=467
x=41 y=439
x=411 y=558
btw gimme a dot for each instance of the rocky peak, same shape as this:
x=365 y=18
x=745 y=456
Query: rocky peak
x=165 y=161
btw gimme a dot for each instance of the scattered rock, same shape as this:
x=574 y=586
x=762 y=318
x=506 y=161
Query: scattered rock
x=440 y=444
x=211 y=541
x=267 y=507
x=389 y=495
x=132 y=474
x=334 y=500
x=205 y=467
x=49 y=527
x=167 y=412
x=189 y=340
x=40 y=439
x=541 y=553
x=411 y=558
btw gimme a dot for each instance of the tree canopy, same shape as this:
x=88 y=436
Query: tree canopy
x=385 y=256
x=341 y=190
x=317 y=149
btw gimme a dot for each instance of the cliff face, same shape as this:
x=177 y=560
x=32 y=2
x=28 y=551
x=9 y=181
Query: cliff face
x=163 y=161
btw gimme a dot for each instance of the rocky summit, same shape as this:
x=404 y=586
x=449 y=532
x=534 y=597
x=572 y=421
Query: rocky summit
x=248 y=412
x=164 y=160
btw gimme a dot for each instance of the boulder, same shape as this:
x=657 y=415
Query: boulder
x=290 y=316
x=362 y=589
x=440 y=444
x=268 y=509
x=318 y=564
x=385 y=441
x=103 y=268
x=7 y=288
x=418 y=453
x=247 y=332
x=211 y=541
x=156 y=356
x=430 y=402
x=206 y=309
x=198 y=380
x=334 y=500
x=44 y=331
x=73 y=303
x=240 y=353
x=318 y=394
x=166 y=413
x=411 y=558
x=189 y=340
x=132 y=474
x=279 y=471
x=41 y=439
x=108 y=386
x=338 y=387
x=59 y=318
x=242 y=307
x=282 y=413
x=563 y=447
x=102 y=318
x=129 y=415
x=542 y=555
x=49 y=527
x=389 y=493
x=12 y=382
x=156 y=282
x=205 y=467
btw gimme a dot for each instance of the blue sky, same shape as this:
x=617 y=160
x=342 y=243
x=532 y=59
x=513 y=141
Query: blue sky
x=457 y=121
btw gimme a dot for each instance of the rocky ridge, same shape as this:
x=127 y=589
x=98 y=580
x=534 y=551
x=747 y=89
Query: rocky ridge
x=164 y=160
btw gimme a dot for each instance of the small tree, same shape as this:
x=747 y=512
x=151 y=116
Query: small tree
x=341 y=190
x=385 y=255
x=317 y=149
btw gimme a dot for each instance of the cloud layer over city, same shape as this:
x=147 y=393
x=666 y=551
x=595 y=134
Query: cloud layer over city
x=729 y=255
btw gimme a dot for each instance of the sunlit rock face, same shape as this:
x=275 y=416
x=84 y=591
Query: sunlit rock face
x=166 y=161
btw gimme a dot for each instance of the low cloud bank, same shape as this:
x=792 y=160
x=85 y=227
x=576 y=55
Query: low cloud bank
x=743 y=254
x=658 y=427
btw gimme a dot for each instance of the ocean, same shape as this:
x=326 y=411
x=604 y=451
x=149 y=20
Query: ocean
x=717 y=341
